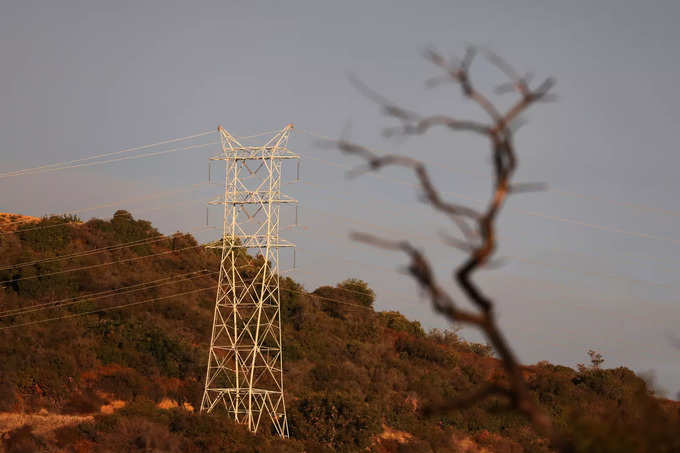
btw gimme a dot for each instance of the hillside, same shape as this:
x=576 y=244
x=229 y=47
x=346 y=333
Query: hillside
x=122 y=370
x=10 y=221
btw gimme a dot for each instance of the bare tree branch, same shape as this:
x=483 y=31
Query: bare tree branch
x=421 y=271
x=389 y=108
x=413 y=123
x=459 y=72
x=517 y=83
x=423 y=125
x=454 y=242
x=456 y=212
x=479 y=228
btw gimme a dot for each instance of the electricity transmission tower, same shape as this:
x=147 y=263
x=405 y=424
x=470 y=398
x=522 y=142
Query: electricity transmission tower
x=245 y=375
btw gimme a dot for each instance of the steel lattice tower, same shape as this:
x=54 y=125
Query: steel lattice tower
x=245 y=374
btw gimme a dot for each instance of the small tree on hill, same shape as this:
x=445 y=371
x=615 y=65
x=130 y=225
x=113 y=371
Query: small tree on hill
x=358 y=290
x=596 y=360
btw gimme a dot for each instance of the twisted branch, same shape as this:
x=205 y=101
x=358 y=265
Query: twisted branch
x=478 y=228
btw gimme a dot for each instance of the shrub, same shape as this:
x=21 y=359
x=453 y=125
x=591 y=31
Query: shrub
x=396 y=321
x=445 y=337
x=335 y=419
x=358 y=290
x=328 y=300
x=416 y=347
x=51 y=234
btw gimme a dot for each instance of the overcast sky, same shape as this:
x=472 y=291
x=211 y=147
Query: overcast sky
x=591 y=263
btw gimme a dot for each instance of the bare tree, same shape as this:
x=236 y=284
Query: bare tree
x=477 y=228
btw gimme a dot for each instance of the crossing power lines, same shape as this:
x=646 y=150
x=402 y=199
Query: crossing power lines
x=192 y=187
x=92 y=160
x=127 y=154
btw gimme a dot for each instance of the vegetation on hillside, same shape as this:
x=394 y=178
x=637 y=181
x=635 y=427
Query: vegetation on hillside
x=355 y=379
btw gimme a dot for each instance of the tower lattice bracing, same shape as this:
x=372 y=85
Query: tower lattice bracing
x=245 y=374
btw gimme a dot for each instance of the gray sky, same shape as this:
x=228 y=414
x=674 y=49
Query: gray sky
x=591 y=263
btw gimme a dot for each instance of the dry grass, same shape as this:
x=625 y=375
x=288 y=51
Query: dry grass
x=42 y=423
x=10 y=221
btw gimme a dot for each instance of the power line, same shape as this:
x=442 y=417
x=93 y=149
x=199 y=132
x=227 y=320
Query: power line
x=182 y=189
x=31 y=277
x=110 y=293
x=113 y=292
x=532 y=261
x=119 y=307
x=529 y=213
x=85 y=159
x=590 y=197
x=109 y=248
x=106 y=249
x=177 y=278
x=119 y=159
x=91 y=296
x=78 y=163
x=116 y=307
x=53 y=167
x=612 y=275
x=633 y=206
x=328 y=298
x=520 y=259
x=602 y=227
x=394 y=294
x=70 y=164
x=152 y=196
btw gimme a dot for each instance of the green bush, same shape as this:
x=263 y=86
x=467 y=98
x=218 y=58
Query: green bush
x=421 y=348
x=396 y=321
x=335 y=419
x=50 y=235
x=358 y=290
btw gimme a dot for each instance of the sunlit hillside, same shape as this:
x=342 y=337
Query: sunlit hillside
x=104 y=328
